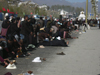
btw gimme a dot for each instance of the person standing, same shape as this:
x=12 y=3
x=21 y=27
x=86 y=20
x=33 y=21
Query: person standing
x=45 y=22
x=41 y=22
x=98 y=22
x=25 y=30
x=5 y=26
x=33 y=20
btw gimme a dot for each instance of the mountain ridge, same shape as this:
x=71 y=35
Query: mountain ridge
x=64 y=2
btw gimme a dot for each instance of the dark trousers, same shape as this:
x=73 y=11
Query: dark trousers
x=1 y=59
x=26 y=40
x=1 y=53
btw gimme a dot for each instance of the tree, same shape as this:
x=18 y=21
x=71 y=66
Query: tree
x=48 y=7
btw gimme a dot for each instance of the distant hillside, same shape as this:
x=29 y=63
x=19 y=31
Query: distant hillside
x=63 y=2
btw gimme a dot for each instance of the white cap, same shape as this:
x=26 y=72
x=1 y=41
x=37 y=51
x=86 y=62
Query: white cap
x=11 y=66
x=59 y=38
x=0 y=48
x=37 y=59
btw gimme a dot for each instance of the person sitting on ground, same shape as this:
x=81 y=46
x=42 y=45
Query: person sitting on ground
x=23 y=51
x=4 y=62
x=43 y=35
x=10 y=49
x=15 y=46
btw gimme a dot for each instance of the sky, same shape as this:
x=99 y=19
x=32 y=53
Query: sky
x=77 y=0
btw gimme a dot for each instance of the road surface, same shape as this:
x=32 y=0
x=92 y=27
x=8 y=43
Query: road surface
x=82 y=58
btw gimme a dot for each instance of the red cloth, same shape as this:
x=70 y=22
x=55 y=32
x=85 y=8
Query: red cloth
x=31 y=13
x=3 y=9
x=0 y=11
x=11 y=12
x=8 y=10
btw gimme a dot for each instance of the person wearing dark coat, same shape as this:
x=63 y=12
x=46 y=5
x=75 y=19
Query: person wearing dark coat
x=10 y=49
x=18 y=22
x=25 y=29
x=15 y=47
x=45 y=22
x=13 y=29
x=41 y=22
x=33 y=20
x=5 y=26
x=6 y=23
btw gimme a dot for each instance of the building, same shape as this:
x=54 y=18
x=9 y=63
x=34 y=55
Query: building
x=26 y=2
x=82 y=15
x=43 y=7
x=63 y=12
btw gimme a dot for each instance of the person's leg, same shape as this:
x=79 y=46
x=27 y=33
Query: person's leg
x=74 y=37
x=12 y=56
x=67 y=42
x=1 y=53
x=26 y=40
x=21 y=36
x=64 y=35
x=1 y=59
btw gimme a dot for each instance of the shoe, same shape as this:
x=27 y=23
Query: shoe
x=41 y=46
x=30 y=72
x=61 y=53
x=12 y=59
x=44 y=59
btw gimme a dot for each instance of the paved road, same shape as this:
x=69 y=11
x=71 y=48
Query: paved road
x=82 y=58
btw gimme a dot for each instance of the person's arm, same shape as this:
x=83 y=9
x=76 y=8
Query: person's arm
x=19 y=22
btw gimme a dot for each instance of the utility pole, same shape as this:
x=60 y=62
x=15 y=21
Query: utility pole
x=86 y=11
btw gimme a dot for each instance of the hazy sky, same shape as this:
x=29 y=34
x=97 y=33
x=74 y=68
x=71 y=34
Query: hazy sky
x=77 y=0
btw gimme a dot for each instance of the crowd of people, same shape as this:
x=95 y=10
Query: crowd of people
x=93 y=22
x=17 y=37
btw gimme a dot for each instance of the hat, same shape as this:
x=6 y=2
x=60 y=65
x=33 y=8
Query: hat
x=58 y=38
x=6 y=14
x=41 y=46
x=37 y=59
x=31 y=45
x=59 y=23
x=7 y=18
x=11 y=66
x=41 y=28
x=0 y=48
x=52 y=29
x=46 y=39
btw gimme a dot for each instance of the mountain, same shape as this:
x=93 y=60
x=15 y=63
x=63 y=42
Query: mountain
x=83 y=4
x=64 y=2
